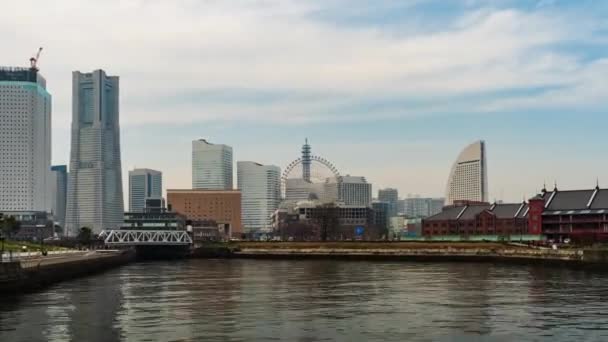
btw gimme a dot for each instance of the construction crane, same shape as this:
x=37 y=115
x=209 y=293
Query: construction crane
x=34 y=60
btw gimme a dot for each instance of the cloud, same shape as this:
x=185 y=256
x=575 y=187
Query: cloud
x=184 y=61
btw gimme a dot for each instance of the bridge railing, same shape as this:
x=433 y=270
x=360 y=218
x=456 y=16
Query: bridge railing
x=125 y=237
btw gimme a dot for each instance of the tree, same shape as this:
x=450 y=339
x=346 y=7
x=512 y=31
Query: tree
x=85 y=235
x=10 y=226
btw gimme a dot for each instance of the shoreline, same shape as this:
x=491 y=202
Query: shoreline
x=411 y=252
x=31 y=275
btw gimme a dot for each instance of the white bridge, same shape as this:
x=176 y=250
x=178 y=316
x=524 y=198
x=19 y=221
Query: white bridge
x=146 y=237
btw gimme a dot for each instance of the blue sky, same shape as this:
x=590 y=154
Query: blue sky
x=390 y=90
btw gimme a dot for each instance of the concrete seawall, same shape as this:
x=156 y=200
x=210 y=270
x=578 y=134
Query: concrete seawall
x=31 y=274
x=506 y=254
x=417 y=254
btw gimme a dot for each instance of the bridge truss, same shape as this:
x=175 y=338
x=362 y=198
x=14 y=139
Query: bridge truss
x=146 y=238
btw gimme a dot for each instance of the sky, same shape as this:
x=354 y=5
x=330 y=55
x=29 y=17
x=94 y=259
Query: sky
x=389 y=90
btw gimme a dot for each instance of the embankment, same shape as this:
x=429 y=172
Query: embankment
x=416 y=251
x=34 y=273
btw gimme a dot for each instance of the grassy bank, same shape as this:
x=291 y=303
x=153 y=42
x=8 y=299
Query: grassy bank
x=16 y=246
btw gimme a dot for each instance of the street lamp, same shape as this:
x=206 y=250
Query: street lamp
x=41 y=234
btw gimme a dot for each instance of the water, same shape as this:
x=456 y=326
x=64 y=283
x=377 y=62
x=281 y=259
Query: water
x=259 y=300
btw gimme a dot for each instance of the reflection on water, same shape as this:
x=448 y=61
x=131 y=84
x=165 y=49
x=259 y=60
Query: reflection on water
x=248 y=300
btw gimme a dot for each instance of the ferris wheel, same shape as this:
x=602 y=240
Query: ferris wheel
x=320 y=170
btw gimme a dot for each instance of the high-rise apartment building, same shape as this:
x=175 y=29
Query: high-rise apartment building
x=95 y=197
x=59 y=193
x=211 y=166
x=144 y=184
x=25 y=141
x=468 y=179
x=260 y=186
x=391 y=196
x=355 y=191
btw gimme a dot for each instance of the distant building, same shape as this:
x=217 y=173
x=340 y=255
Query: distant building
x=382 y=211
x=95 y=197
x=211 y=166
x=222 y=206
x=144 y=184
x=390 y=196
x=312 y=220
x=355 y=191
x=59 y=192
x=468 y=178
x=154 y=220
x=260 y=186
x=34 y=225
x=436 y=205
x=25 y=144
x=420 y=207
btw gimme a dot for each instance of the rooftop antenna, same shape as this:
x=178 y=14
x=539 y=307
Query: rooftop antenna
x=34 y=60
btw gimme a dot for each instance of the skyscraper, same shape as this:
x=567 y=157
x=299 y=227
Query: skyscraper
x=25 y=140
x=59 y=192
x=468 y=179
x=354 y=190
x=415 y=206
x=260 y=186
x=211 y=166
x=391 y=196
x=95 y=182
x=144 y=184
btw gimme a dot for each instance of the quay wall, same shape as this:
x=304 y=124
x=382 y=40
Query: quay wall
x=413 y=251
x=28 y=276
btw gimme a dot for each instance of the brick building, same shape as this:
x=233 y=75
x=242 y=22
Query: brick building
x=466 y=219
x=578 y=215
x=221 y=206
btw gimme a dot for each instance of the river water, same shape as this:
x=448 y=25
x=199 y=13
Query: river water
x=266 y=300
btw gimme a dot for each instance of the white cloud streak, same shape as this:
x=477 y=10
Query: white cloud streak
x=164 y=49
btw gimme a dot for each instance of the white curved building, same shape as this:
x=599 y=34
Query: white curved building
x=468 y=179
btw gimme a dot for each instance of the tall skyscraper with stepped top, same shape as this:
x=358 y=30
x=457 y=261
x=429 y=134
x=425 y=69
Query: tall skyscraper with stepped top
x=468 y=179
x=95 y=197
x=25 y=140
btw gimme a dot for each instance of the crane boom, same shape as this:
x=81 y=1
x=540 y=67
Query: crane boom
x=34 y=60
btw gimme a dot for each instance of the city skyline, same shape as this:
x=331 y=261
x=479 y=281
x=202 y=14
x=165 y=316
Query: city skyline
x=542 y=74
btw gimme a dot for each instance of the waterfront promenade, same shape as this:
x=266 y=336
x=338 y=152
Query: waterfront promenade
x=31 y=271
